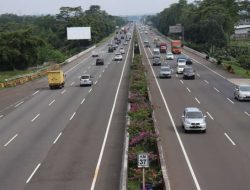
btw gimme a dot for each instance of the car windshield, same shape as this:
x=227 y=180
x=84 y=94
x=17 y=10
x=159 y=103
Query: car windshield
x=181 y=66
x=244 y=88
x=169 y=54
x=85 y=77
x=195 y=114
x=165 y=69
x=189 y=69
x=181 y=60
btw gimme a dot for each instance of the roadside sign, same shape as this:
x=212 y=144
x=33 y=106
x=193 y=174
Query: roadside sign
x=175 y=29
x=142 y=160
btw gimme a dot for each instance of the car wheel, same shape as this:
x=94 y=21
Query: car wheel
x=204 y=131
x=185 y=131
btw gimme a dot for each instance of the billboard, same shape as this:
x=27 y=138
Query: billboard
x=175 y=29
x=78 y=33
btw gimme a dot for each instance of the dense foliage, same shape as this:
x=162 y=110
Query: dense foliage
x=208 y=23
x=32 y=40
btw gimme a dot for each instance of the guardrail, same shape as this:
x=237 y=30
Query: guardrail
x=21 y=79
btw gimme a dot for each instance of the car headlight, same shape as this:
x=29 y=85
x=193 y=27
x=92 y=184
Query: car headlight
x=187 y=122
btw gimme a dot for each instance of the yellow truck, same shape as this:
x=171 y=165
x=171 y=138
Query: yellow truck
x=56 y=79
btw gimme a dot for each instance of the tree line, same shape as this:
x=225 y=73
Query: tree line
x=27 y=41
x=208 y=24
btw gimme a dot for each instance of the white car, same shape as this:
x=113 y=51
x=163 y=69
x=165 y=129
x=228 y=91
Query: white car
x=118 y=57
x=193 y=119
x=169 y=56
x=180 y=68
x=94 y=54
x=181 y=61
x=85 y=80
x=122 y=51
x=125 y=43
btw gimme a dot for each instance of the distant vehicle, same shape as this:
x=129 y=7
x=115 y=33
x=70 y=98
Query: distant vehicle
x=115 y=46
x=56 y=79
x=188 y=73
x=180 y=69
x=94 y=54
x=156 y=62
x=156 y=53
x=99 y=61
x=125 y=43
x=111 y=49
x=122 y=51
x=122 y=37
x=146 y=32
x=242 y=92
x=146 y=43
x=189 y=61
x=170 y=56
x=163 y=47
x=85 y=80
x=118 y=57
x=193 y=119
x=165 y=72
x=181 y=61
x=176 y=46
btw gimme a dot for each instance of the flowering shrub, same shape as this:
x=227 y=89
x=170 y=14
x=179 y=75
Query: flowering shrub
x=141 y=130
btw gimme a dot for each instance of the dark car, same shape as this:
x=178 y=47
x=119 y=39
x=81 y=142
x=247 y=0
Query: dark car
x=156 y=62
x=189 y=61
x=189 y=73
x=99 y=61
x=111 y=49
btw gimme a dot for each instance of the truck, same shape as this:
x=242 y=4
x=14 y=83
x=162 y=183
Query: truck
x=176 y=46
x=56 y=79
x=163 y=47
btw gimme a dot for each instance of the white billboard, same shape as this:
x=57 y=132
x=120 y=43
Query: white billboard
x=78 y=33
x=175 y=29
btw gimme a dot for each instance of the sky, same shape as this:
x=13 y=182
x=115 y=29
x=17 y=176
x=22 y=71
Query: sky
x=113 y=7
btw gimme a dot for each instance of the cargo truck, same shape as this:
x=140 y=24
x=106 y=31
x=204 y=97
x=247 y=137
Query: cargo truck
x=163 y=47
x=176 y=46
x=56 y=79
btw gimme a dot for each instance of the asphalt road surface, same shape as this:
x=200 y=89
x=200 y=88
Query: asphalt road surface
x=218 y=159
x=69 y=138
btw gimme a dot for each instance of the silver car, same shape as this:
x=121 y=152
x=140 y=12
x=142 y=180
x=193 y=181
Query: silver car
x=193 y=120
x=85 y=80
x=165 y=72
x=242 y=92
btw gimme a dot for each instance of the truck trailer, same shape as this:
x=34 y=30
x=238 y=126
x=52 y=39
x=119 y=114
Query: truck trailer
x=176 y=46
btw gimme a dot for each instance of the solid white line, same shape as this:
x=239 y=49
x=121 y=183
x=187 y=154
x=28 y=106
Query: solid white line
x=57 y=138
x=72 y=83
x=11 y=140
x=189 y=90
x=72 y=116
x=229 y=139
x=210 y=115
x=90 y=90
x=108 y=126
x=175 y=129
x=230 y=100
x=206 y=81
x=1 y=116
x=197 y=100
x=96 y=82
x=35 y=117
x=182 y=81
x=51 y=102
x=216 y=90
x=35 y=93
x=209 y=69
x=247 y=113
x=19 y=104
x=63 y=91
x=37 y=167
x=198 y=75
x=83 y=101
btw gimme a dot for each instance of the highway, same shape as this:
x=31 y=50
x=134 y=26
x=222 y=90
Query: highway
x=218 y=159
x=69 y=138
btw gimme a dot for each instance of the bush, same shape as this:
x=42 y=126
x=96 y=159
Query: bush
x=244 y=61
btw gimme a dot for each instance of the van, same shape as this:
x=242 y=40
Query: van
x=156 y=53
